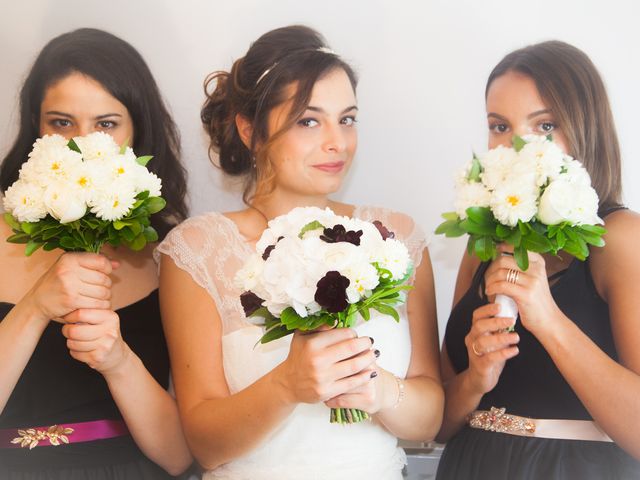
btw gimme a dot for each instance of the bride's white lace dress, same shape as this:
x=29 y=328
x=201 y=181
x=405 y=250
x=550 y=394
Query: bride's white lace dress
x=305 y=446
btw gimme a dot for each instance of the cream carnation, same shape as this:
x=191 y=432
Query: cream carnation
x=25 y=202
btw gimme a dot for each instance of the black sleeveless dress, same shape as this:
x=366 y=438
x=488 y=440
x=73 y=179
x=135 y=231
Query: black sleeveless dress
x=531 y=386
x=54 y=388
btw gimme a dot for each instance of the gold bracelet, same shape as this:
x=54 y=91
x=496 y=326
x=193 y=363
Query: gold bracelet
x=400 y=391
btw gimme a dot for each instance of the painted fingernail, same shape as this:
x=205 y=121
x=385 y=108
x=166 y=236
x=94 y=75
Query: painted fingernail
x=372 y=341
x=374 y=374
x=376 y=352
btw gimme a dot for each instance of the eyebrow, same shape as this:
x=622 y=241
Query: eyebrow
x=529 y=117
x=99 y=117
x=320 y=110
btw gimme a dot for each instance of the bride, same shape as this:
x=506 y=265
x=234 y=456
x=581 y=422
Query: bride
x=284 y=119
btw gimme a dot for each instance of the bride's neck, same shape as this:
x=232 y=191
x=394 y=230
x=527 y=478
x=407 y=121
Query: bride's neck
x=280 y=203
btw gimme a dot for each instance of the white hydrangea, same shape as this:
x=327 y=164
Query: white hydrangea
x=393 y=256
x=25 y=201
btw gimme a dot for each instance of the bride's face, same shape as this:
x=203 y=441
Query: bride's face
x=313 y=156
x=78 y=105
x=515 y=107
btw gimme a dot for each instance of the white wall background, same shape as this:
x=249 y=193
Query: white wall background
x=423 y=66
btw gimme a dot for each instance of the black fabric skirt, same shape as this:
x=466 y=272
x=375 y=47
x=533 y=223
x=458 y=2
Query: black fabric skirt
x=482 y=455
x=112 y=459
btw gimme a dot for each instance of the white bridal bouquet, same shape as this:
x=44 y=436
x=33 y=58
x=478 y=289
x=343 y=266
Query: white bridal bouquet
x=313 y=268
x=532 y=196
x=79 y=194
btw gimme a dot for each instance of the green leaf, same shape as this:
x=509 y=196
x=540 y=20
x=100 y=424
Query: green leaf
x=450 y=216
x=535 y=242
x=67 y=243
x=144 y=160
x=150 y=234
x=364 y=311
x=481 y=215
x=502 y=231
x=32 y=247
x=73 y=145
x=485 y=248
x=310 y=226
x=470 y=226
x=290 y=318
x=476 y=169
x=275 y=333
x=123 y=147
x=19 y=238
x=386 y=310
x=518 y=143
x=12 y=222
x=595 y=229
x=28 y=228
x=141 y=196
x=450 y=228
x=155 y=204
x=521 y=256
x=138 y=243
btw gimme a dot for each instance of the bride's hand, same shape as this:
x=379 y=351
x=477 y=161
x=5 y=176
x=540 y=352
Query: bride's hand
x=324 y=364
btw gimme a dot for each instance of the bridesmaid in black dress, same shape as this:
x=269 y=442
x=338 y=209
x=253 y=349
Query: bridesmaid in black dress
x=557 y=398
x=83 y=363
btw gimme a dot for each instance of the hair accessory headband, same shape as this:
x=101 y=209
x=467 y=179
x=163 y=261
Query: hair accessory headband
x=326 y=50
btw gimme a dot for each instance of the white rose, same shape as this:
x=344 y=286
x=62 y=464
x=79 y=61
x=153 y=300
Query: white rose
x=25 y=202
x=515 y=199
x=64 y=203
x=470 y=194
x=564 y=201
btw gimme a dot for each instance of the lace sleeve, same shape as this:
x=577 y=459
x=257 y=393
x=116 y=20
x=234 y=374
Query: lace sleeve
x=404 y=227
x=190 y=245
x=211 y=250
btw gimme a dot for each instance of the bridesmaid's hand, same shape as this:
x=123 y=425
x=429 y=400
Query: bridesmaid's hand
x=489 y=346
x=93 y=337
x=531 y=291
x=324 y=364
x=75 y=280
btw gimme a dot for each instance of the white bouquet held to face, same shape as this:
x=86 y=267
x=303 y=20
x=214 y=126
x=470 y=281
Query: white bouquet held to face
x=314 y=268
x=532 y=196
x=79 y=194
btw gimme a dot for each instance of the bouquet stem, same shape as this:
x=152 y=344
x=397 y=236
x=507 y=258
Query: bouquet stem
x=347 y=415
x=508 y=307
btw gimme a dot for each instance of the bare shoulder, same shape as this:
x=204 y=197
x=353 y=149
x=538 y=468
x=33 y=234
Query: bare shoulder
x=618 y=259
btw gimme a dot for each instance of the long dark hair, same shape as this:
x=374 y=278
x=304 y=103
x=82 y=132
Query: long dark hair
x=255 y=85
x=121 y=71
x=572 y=88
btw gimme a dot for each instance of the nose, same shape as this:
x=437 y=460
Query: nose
x=334 y=140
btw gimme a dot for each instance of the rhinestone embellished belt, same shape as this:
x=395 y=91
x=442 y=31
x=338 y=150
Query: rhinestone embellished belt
x=497 y=420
